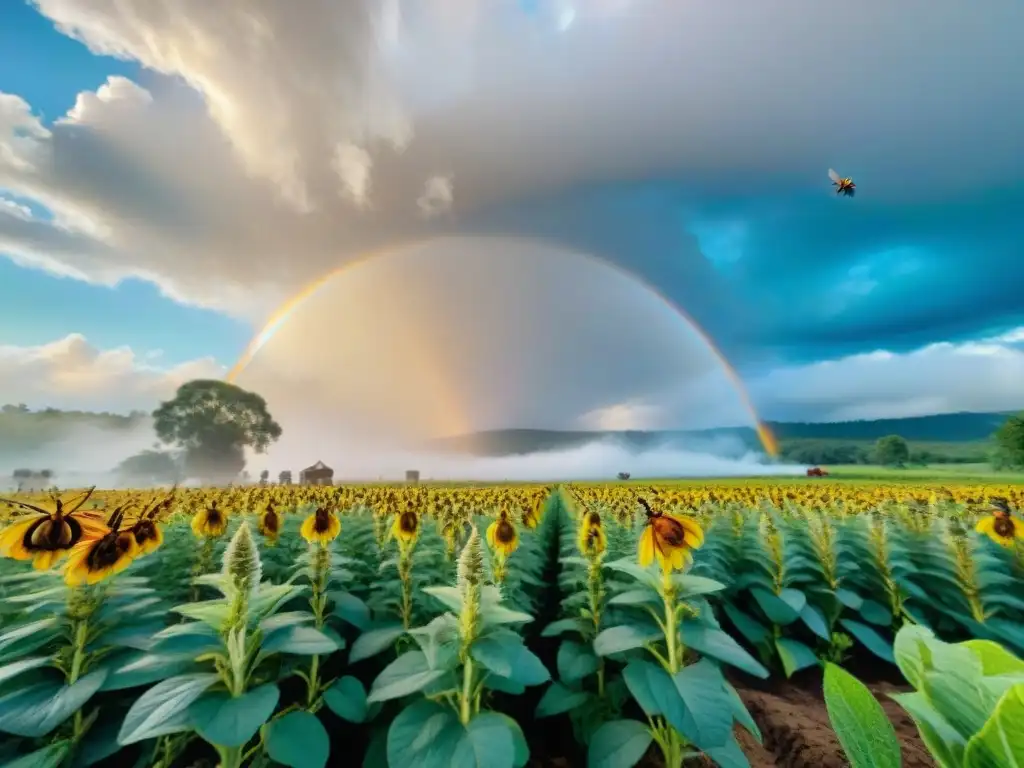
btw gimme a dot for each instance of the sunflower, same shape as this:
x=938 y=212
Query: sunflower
x=323 y=526
x=592 y=539
x=531 y=514
x=1001 y=526
x=210 y=522
x=270 y=522
x=668 y=538
x=406 y=526
x=100 y=556
x=147 y=533
x=502 y=535
x=44 y=538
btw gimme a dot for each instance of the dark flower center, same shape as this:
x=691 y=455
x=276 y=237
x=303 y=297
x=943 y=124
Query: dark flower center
x=1004 y=526
x=409 y=522
x=272 y=523
x=214 y=517
x=322 y=520
x=108 y=550
x=505 y=533
x=51 y=534
x=144 y=530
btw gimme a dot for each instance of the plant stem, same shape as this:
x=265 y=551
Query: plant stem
x=466 y=697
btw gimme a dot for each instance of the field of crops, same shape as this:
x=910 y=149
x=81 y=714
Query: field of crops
x=500 y=627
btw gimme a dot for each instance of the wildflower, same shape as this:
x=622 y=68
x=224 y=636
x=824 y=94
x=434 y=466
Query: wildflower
x=147 y=533
x=209 y=523
x=241 y=561
x=101 y=556
x=1001 y=526
x=46 y=537
x=531 y=514
x=406 y=527
x=323 y=526
x=470 y=573
x=592 y=540
x=502 y=536
x=668 y=538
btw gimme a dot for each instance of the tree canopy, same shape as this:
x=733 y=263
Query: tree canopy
x=1009 y=440
x=213 y=422
x=892 y=451
x=149 y=468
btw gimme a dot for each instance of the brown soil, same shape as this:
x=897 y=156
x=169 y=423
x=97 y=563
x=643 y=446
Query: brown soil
x=797 y=732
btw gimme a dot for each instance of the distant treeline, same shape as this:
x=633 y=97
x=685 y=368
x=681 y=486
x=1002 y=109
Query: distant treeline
x=831 y=452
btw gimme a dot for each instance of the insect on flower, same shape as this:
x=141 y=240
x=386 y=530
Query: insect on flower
x=210 y=522
x=844 y=186
x=592 y=539
x=322 y=527
x=98 y=557
x=45 y=537
x=668 y=539
x=270 y=522
x=1001 y=526
x=502 y=536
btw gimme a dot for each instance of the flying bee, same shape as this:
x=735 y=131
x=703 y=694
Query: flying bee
x=844 y=186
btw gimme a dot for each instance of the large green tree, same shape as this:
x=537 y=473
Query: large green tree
x=892 y=451
x=149 y=468
x=213 y=422
x=1009 y=439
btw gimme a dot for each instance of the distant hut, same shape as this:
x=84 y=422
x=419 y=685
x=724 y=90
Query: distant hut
x=285 y=478
x=318 y=474
x=412 y=476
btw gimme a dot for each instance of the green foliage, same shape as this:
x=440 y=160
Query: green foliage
x=892 y=451
x=213 y=422
x=865 y=732
x=149 y=468
x=1009 y=439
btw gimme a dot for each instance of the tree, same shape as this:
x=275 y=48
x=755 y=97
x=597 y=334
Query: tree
x=149 y=468
x=285 y=478
x=264 y=476
x=1009 y=439
x=213 y=422
x=892 y=451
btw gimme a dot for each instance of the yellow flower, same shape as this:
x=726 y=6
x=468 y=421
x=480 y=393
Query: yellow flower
x=668 y=539
x=210 y=522
x=94 y=559
x=502 y=536
x=322 y=527
x=592 y=540
x=270 y=523
x=1002 y=528
x=46 y=537
x=406 y=526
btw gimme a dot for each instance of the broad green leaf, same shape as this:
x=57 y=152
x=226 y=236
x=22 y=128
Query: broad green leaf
x=350 y=608
x=623 y=638
x=212 y=612
x=775 y=608
x=285 y=619
x=870 y=639
x=636 y=597
x=655 y=691
x=134 y=668
x=406 y=674
x=51 y=756
x=715 y=643
x=794 y=655
x=154 y=712
x=690 y=586
x=910 y=651
x=494 y=615
x=859 y=721
x=649 y=576
x=520 y=747
x=31 y=633
x=194 y=638
x=450 y=597
x=995 y=659
x=754 y=631
x=37 y=709
x=558 y=699
x=938 y=735
x=424 y=734
x=961 y=700
x=298 y=740
x=506 y=656
x=576 y=661
x=439 y=641
x=15 y=668
x=566 y=625
x=849 y=598
x=375 y=641
x=347 y=699
x=298 y=640
x=794 y=598
x=487 y=742
x=708 y=705
x=875 y=613
x=230 y=721
x=618 y=744
x=1000 y=743
x=815 y=621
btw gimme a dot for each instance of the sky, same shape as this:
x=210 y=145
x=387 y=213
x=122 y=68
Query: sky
x=548 y=208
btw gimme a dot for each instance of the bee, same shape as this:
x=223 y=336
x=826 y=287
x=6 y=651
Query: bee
x=665 y=530
x=844 y=186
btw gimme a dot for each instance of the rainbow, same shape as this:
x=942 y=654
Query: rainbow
x=285 y=311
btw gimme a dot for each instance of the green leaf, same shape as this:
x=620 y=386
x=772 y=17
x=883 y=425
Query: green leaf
x=351 y=609
x=794 y=655
x=815 y=621
x=709 y=719
x=870 y=639
x=231 y=721
x=439 y=641
x=406 y=674
x=494 y=615
x=941 y=738
x=449 y=597
x=775 y=608
x=655 y=691
x=298 y=740
x=849 y=598
x=689 y=586
x=286 y=619
x=520 y=747
x=425 y=734
x=35 y=710
x=1000 y=743
x=618 y=744
x=155 y=712
x=134 y=668
x=715 y=643
x=347 y=699
x=576 y=661
x=194 y=638
x=51 y=756
x=995 y=660
x=754 y=631
x=15 y=668
x=566 y=625
x=375 y=641
x=644 y=575
x=911 y=652
x=623 y=638
x=298 y=640
x=859 y=721
x=962 y=702
x=212 y=612
x=874 y=612
x=487 y=742
x=506 y=656
x=636 y=597
x=43 y=628
x=558 y=699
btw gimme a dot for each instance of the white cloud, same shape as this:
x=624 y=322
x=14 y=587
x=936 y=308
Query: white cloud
x=939 y=378
x=73 y=374
x=438 y=195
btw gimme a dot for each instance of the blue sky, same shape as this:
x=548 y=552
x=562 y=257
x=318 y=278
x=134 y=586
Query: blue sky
x=230 y=155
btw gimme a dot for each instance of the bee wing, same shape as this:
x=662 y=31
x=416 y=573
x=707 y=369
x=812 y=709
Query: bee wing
x=834 y=176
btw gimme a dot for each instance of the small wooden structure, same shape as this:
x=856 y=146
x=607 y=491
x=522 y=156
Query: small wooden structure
x=816 y=472
x=412 y=476
x=285 y=478
x=318 y=474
